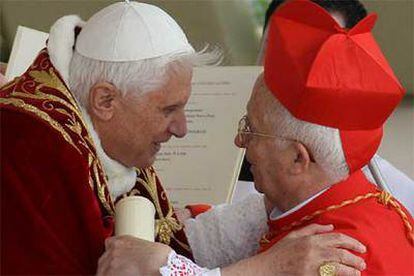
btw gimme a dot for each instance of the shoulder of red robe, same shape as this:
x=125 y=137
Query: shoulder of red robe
x=320 y=71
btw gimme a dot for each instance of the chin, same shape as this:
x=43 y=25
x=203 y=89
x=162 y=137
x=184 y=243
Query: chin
x=259 y=184
x=148 y=162
x=257 y=187
x=256 y=180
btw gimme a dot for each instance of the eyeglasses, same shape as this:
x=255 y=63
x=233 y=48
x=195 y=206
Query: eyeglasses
x=244 y=132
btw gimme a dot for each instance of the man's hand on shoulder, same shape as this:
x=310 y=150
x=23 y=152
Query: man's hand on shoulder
x=127 y=255
x=302 y=252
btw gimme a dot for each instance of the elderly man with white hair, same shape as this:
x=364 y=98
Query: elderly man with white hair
x=308 y=132
x=82 y=126
x=348 y=13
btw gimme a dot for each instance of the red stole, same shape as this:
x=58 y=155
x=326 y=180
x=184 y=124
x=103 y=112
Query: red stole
x=356 y=208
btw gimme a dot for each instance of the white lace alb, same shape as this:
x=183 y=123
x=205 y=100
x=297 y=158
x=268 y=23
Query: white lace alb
x=227 y=233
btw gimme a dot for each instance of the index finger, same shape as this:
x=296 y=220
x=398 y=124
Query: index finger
x=341 y=240
x=311 y=229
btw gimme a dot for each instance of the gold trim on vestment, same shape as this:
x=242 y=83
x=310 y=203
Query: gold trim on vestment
x=39 y=95
x=50 y=79
x=75 y=122
x=165 y=226
x=42 y=115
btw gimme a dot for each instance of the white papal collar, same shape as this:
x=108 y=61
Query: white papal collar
x=277 y=214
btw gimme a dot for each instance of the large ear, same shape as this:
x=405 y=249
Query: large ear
x=103 y=98
x=301 y=159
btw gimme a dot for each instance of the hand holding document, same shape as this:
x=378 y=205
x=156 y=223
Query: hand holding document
x=135 y=216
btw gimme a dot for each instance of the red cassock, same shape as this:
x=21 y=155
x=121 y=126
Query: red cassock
x=355 y=207
x=56 y=211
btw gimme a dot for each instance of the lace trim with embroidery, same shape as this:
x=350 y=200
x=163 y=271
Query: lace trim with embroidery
x=178 y=265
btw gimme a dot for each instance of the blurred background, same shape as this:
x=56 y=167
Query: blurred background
x=236 y=27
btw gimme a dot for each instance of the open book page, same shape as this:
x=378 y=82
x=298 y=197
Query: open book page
x=27 y=44
x=203 y=167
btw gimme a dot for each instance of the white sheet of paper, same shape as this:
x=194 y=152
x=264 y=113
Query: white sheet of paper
x=27 y=44
x=203 y=166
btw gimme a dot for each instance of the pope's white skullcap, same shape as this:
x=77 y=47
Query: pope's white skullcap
x=131 y=31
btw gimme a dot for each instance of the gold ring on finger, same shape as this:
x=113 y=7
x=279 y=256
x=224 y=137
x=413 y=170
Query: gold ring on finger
x=327 y=269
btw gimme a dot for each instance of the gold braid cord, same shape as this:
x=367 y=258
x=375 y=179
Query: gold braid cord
x=383 y=197
x=166 y=225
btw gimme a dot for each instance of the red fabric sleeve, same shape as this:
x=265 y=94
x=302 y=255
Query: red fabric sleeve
x=50 y=219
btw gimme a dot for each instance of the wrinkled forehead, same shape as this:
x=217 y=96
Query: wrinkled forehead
x=254 y=97
x=180 y=69
x=179 y=83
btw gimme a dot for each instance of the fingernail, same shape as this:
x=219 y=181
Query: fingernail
x=363 y=248
x=363 y=266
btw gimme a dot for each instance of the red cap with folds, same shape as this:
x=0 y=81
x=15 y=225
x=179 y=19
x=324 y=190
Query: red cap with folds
x=331 y=76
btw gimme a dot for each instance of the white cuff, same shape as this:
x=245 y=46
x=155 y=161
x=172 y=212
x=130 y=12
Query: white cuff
x=227 y=233
x=180 y=265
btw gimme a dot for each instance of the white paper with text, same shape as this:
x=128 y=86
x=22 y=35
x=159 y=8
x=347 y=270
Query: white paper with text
x=203 y=166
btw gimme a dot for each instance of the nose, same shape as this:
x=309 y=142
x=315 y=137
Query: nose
x=238 y=141
x=178 y=127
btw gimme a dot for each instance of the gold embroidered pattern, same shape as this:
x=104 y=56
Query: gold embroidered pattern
x=69 y=108
x=75 y=124
x=41 y=114
x=50 y=79
x=9 y=84
x=39 y=95
x=101 y=189
x=165 y=226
